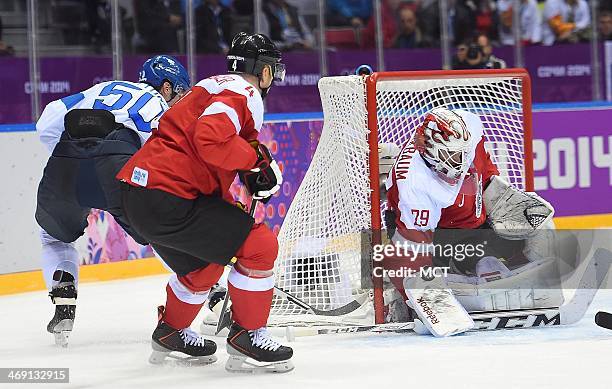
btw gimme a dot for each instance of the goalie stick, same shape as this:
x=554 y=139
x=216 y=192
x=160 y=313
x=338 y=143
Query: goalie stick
x=569 y=313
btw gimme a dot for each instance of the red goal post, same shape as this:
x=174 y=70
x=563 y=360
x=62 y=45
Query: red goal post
x=373 y=81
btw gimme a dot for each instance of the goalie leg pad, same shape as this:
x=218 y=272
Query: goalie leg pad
x=515 y=214
x=437 y=308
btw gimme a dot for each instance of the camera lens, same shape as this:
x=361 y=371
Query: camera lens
x=473 y=52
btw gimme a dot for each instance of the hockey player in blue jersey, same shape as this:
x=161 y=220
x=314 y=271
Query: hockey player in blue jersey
x=91 y=135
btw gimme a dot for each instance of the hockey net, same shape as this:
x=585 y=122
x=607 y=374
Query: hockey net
x=320 y=253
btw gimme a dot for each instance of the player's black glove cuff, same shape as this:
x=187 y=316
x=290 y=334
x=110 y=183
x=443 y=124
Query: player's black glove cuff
x=265 y=178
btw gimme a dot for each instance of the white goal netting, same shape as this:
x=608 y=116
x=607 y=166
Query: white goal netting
x=320 y=240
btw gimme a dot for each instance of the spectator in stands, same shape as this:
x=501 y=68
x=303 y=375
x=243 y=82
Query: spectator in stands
x=530 y=22
x=355 y=13
x=470 y=16
x=158 y=22
x=463 y=21
x=242 y=17
x=566 y=21
x=99 y=22
x=127 y=23
x=98 y=13
x=287 y=27
x=490 y=61
x=390 y=9
x=458 y=61
x=4 y=48
x=213 y=27
x=409 y=36
x=487 y=20
x=426 y=11
x=605 y=26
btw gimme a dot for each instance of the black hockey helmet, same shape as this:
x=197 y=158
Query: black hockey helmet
x=250 y=53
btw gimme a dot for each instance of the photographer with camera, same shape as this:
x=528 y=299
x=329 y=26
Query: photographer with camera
x=468 y=56
x=477 y=55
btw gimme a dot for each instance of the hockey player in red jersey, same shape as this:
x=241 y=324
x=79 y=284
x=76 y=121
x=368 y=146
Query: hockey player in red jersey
x=176 y=195
x=444 y=178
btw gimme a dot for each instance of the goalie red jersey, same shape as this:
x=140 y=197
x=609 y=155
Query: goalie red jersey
x=200 y=145
x=423 y=201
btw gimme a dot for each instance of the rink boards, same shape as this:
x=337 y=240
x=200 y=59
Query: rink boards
x=572 y=163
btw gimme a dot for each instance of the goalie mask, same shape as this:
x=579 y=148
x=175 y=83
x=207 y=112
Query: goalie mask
x=444 y=142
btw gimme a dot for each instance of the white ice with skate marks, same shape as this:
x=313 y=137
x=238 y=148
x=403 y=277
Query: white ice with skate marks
x=110 y=345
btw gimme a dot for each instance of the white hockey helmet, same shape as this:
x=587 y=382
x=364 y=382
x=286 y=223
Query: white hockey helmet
x=444 y=142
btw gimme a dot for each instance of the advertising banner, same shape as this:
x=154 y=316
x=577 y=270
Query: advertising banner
x=559 y=74
x=572 y=159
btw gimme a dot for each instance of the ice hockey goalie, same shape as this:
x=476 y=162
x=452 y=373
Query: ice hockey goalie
x=450 y=210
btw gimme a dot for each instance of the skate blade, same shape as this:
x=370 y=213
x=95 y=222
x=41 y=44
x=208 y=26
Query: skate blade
x=61 y=332
x=61 y=338
x=242 y=364
x=167 y=359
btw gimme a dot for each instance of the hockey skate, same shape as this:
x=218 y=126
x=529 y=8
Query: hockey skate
x=63 y=295
x=192 y=349
x=254 y=351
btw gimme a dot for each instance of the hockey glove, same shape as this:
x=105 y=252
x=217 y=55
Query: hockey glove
x=265 y=179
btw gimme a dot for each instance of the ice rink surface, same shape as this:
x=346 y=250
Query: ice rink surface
x=110 y=346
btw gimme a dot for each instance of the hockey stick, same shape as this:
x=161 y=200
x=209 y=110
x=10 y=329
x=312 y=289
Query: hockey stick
x=485 y=321
x=343 y=310
x=591 y=281
x=567 y=314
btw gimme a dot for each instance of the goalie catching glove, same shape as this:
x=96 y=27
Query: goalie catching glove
x=265 y=179
x=514 y=214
